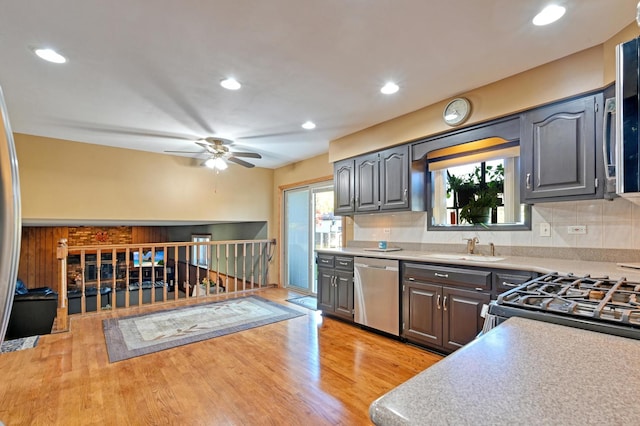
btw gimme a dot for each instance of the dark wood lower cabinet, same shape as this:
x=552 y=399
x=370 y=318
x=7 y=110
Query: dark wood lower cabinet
x=443 y=318
x=461 y=316
x=422 y=314
x=335 y=286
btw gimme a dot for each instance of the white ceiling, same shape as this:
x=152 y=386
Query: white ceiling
x=144 y=74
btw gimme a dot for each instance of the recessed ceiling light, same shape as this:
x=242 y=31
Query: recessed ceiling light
x=308 y=125
x=50 y=55
x=389 y=88
x=549 y=15
x=230 y=84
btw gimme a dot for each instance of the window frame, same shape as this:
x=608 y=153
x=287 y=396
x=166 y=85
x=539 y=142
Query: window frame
x=197 y=250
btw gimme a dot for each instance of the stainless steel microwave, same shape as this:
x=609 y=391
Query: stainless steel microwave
x=627 y=119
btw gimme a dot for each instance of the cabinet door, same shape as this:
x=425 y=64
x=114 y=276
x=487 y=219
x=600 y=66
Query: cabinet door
x=461 y=316
x=367 y=180
x=326 y=295
x=559 y=150
x=394 y=178
x=422 y=313
x=344 y=295
x=343 y=186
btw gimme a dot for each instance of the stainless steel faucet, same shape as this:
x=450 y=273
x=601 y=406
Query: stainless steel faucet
x=471 y=244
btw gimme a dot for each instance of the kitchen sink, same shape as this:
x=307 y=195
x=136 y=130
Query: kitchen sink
x=472 y=257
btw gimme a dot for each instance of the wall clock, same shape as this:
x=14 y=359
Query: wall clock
x=457 y=111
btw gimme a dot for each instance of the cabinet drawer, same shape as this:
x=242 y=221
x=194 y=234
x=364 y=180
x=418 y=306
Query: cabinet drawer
x=460 y=277
x=326 y=260
x=506 y=280
x=344 y=263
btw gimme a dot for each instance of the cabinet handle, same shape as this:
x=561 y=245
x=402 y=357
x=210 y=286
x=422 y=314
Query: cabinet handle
x=343 y=263
x=506 y=284
x=353 y=201
x=479 y=289
x=405 y=194
x=439 y=275
x=438 y=302
x=411 y=279
x=528 y=180
x=444 y=303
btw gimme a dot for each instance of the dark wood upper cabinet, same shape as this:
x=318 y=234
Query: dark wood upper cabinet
x=379 y=181
x=367 y=181
x=344 y=186
x=394 y=178
x=561 y=151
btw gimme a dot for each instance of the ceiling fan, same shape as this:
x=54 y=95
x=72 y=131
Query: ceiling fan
x=219 y=153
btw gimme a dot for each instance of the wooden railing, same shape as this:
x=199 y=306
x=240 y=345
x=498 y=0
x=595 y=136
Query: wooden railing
x=95 y=278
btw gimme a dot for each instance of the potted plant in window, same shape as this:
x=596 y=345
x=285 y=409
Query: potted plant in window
x=462 y=188
x=478 y=210
x=476 y=195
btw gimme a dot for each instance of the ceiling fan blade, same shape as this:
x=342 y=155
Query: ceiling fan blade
x=246 y=154
x=206 y=146
x=240 y=162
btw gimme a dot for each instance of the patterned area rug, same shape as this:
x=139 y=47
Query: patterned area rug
x=309 y=302
x=19 y=344
x=137 y=335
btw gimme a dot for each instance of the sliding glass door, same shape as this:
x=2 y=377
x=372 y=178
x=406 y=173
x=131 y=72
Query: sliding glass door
x=309 y=224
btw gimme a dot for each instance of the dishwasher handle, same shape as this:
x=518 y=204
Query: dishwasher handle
x=384 y=268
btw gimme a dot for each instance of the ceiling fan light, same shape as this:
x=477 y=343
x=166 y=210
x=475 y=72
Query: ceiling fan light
x=230 y=84
x=210 y=163
x=220 y=164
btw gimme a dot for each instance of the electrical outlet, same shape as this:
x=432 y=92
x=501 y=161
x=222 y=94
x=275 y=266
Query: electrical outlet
x=577 y=229
x=545 y=230
x=387 y=230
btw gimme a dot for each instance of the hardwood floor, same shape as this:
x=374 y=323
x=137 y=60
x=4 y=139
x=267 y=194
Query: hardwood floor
x=304 y=371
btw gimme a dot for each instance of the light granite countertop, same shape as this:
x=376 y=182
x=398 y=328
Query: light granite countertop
x=523 y=372
x=534 y=264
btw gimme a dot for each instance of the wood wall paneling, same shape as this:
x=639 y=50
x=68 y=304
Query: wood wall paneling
x=38 y=264
x=148 y=234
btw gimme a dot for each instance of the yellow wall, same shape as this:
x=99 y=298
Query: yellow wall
x=581 y=72
x=72 y=182
x=63 y=180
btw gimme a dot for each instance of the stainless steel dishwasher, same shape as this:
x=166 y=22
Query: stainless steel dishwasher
x=377 y=294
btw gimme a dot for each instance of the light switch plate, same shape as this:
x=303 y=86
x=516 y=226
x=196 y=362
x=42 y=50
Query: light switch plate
x=577 y=229
x=386 y=230
x=545 y=230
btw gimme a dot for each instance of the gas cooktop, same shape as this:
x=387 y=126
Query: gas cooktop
x=599 y=304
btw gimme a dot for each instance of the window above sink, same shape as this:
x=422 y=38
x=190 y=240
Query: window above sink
x=476 y=185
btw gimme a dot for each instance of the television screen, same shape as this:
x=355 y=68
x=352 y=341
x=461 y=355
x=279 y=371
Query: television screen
x=158 y=260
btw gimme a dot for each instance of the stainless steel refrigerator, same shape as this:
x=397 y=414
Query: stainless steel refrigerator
x=10 y=219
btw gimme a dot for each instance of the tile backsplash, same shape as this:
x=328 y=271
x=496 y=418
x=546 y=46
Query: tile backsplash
x=609 y=224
